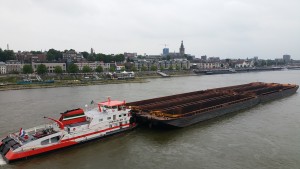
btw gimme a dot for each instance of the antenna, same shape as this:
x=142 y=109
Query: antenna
x=164 y=45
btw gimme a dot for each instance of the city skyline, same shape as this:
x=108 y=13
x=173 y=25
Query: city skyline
x=219 y=28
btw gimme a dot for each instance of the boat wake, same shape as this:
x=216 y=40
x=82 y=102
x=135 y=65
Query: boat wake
x=2 y=162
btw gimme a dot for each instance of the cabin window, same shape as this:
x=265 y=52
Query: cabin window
x=114 y=107
x=114 y=117
x=110 y=126
x=55 y=139
x=100 y=120
x=45 y=142
x=108 y=118
x=120 y=115
x=124 y=114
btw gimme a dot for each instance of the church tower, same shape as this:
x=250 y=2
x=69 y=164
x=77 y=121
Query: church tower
x=181 y=49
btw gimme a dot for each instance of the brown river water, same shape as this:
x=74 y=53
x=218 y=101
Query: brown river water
x=266 y=136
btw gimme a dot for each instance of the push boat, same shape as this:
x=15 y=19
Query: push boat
x=73 y=127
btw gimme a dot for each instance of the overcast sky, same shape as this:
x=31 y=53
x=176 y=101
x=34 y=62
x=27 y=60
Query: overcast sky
x=220 y=28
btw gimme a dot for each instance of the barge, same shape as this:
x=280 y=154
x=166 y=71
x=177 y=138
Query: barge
x=185 y=109
x=72 y=128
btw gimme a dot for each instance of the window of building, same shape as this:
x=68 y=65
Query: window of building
x=108 y=118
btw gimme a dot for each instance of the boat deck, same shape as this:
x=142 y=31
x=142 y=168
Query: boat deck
x=185 y=104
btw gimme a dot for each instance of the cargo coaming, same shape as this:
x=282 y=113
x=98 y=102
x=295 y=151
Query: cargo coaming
x=185 y=109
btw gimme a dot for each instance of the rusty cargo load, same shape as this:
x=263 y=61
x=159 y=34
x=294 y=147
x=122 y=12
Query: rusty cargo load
x=185 y=109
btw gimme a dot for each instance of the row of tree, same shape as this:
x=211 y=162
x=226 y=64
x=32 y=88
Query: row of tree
x=6 y=55
x=72 y=68
x=56 y=55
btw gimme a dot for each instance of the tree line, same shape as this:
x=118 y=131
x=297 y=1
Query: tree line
x=72 y=68
x=6 y=55
x=56 y=55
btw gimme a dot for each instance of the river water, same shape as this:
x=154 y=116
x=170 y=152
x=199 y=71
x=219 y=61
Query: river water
x=266 y=136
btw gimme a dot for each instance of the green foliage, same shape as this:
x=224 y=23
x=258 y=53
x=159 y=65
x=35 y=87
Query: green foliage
x=144 y=68
x=99 y=69
x=6 y=55
x=161 y=68
x=168 y=57
x=177 y=67
x=27 y=69
x=53 y=54
x=123 y=68
x=153 y=68
x=133 y=68
x=72 y=68
x=112 y=69
x=36 y=52
x=58 y=70
x=119 y=58
x=189 y=58
x=86 y=69
x=85 y=54
x=170 y=67
x=107 y=58
x=41 y=69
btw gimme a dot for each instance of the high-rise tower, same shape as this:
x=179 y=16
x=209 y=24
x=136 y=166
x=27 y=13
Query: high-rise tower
x=181 y=49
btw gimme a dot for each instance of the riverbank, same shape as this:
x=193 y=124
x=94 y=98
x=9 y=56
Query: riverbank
x=68 y=84
x=140 y=78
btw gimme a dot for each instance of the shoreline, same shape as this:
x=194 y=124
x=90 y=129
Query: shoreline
x=142 y=79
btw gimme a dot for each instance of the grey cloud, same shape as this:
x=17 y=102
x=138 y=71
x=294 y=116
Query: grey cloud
x=225 y=28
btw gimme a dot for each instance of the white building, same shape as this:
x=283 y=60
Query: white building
x=13 y=66
x=93 y=65
x=50 y=66
x=211 y=65
x=244 y=64
x=182 y=64
x=2 y=68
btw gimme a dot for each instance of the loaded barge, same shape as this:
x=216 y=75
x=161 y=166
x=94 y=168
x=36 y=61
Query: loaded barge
x=185 y=109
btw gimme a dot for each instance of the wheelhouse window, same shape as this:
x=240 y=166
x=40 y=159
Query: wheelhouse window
x=55 y=139
x=45 y=142
x=108 y=118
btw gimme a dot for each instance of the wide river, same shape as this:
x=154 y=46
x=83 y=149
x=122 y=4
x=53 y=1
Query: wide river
x=266 y=136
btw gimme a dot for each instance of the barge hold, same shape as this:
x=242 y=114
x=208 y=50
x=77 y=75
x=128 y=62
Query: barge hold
x=185 y=109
